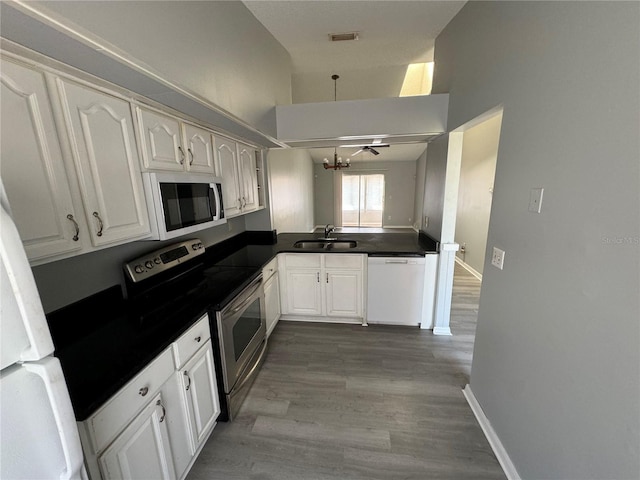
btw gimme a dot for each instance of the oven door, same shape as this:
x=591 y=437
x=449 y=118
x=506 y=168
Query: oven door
x=241 y=331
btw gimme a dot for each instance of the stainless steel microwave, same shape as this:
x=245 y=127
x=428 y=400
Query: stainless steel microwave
x=181 y=204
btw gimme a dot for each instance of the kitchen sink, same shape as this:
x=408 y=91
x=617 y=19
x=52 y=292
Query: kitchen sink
x=325 y=244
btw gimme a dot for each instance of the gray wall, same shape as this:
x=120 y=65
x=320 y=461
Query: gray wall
x=434 y=186
x=477 y=172
x=218 y=50
x=66 y=281
x=323 y=194
x=291 y=179
x=399 y=186
x=556 y=363
x=418 y=204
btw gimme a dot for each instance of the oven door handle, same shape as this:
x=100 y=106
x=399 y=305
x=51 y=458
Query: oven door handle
x=248 y=300
x=253 y=368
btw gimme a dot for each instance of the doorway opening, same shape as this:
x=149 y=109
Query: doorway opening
x=475 y=192
x=362 y=200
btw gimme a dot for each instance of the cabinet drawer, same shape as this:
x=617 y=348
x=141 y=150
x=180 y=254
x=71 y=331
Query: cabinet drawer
x=344 y=261
x=191 y=341
x=305 y=260
x=114 y=415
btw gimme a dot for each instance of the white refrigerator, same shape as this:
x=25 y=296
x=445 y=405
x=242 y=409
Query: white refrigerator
x=38 y=434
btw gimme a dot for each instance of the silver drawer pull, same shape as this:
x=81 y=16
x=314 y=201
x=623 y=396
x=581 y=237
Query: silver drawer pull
x=186 y=374
x=164 y=410
x=198 y=338
x=75 y=224
x=143 y=391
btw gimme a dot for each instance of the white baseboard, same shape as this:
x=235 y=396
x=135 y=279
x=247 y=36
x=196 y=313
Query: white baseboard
x=469 y=269
x=496 y=445
x=442 y=331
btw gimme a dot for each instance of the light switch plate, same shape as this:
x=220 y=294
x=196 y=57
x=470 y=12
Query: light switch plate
x=535 y=200
x=497 y=259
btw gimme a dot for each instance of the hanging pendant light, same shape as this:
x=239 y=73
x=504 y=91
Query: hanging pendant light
x=337 y=161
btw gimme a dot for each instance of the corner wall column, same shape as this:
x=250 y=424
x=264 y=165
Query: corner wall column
x=444 y=288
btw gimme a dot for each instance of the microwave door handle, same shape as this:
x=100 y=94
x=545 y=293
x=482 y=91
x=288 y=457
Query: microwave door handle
x=214 y=202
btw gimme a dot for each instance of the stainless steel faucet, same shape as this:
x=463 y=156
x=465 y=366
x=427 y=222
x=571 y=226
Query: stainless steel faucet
x=328 y=229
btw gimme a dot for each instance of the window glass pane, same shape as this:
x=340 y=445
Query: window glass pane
x=362 y=200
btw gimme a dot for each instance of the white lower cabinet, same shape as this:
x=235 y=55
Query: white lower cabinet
x=142 y=450
x=322 y=285
x=156 y=425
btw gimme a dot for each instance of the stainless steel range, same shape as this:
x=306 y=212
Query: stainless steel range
x=169 y=281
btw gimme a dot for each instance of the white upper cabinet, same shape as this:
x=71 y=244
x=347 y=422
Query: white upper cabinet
x=160 y=139
x=32 y=166
x=199 y=149
x=105 y=155
x=227 y=168
x=249 y=174
x=168 y=144
x=237 y=164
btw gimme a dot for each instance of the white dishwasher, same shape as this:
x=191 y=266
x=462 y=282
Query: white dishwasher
x=395 y=290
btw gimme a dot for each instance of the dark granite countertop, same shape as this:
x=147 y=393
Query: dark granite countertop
x=373 y=244
x=103 y=341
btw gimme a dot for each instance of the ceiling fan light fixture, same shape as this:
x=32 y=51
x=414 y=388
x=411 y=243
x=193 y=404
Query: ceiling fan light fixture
x=341 y=37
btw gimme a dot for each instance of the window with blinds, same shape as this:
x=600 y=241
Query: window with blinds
x=362 y=200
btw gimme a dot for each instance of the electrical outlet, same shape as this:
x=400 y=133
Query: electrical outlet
x=497 y=259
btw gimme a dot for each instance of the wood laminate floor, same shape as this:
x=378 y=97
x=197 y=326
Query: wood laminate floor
x=349 y=402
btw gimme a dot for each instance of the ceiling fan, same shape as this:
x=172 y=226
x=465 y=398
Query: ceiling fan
x=367 y=148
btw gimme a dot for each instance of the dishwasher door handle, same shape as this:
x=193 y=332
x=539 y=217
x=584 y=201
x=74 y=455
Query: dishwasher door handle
x=404 y=262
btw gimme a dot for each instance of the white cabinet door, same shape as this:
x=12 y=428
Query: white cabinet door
x=272 y=302
x=227 y=168
x=142 y=450
x=344 y=293
x=199 y=149
x=304 y=294
x=32 y=167
x=248 y=177
x=106 y=160
x=201 y=395
x=161 y=148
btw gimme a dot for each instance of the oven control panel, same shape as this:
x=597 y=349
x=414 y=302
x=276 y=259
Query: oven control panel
x=163 y=259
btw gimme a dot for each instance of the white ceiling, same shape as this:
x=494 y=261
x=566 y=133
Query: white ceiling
x=393 y=153
x=393 y=34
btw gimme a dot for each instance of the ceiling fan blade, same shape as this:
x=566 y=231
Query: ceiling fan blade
x=372 y=150
x=359 y=151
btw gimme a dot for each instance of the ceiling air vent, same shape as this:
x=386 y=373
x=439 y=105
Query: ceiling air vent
x=339 y=37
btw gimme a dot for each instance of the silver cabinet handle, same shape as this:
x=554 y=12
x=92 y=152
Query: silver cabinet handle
x=327 y=278
x=164 y=410
x=318 y=277
x=244 y=202
x=186 y=374
x=100 y=225
x=181 y=155
x=191 y=155
x=239 y=203
x=198 y=338
x=143 y=391
x=75 y=224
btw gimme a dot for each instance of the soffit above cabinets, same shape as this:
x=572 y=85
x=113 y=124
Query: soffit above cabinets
x=29 y=27
x=418 y=119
